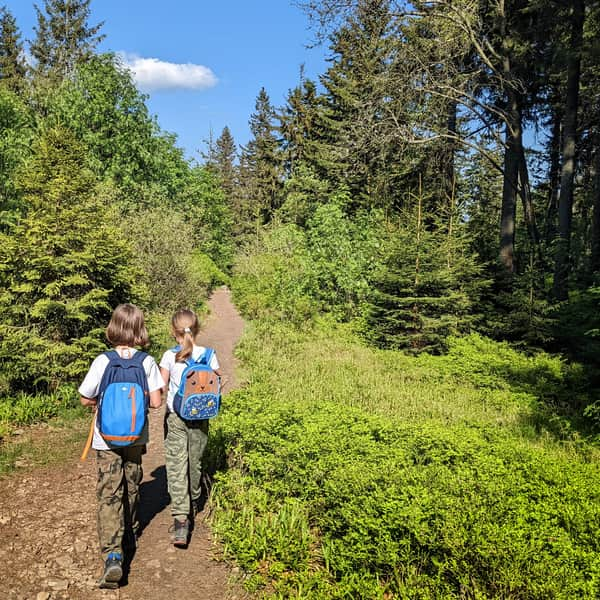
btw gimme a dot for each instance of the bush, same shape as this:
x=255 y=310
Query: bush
x=274 y=277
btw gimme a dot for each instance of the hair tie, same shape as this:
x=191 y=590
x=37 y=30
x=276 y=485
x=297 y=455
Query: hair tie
x=187 y=330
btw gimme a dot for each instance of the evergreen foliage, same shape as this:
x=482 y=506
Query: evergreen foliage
x=64 y=38
x=261 y=169
x=16 y=131
x=428 y=286
x=63 y=267
x=12 y=62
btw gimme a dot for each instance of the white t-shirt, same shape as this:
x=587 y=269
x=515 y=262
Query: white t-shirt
x=176 y=370
x=91 y=383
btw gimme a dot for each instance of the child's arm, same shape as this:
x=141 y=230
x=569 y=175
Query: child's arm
x=165 y=375
x=156 y=398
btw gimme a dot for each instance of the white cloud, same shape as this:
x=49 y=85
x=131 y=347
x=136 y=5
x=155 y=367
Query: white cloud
x=152 y=74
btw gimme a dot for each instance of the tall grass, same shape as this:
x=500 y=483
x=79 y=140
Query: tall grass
x=359 y=473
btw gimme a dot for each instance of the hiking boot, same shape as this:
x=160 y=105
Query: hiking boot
x=180 y=532
x=113 y=571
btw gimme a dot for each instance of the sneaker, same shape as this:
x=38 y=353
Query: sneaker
x=113 y=571
x=180 y=532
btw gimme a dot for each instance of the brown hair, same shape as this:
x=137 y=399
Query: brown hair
x=185 y=327
x=126 y=327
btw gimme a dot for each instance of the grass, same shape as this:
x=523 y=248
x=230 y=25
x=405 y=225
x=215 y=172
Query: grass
x=359 y=473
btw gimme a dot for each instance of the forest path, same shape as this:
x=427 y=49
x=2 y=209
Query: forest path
x=48 y=539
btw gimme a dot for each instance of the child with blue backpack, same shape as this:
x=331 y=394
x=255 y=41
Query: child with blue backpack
x=120 y=386
x=186 y=433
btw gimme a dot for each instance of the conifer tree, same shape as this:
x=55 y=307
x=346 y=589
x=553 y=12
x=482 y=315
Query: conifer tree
x=12 y=63
x=225 y=158
x=298 y=126
x=356 y=150
x=63 y=267
x=428 y=286
x=64 y=37
x=261 y=163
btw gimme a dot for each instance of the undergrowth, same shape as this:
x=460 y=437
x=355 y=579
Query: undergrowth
x=348 y=472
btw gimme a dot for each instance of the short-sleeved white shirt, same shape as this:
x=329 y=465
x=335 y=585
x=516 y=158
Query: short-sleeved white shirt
x=91 y=383
x=176 y=370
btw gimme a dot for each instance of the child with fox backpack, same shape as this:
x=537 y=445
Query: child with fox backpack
x=120 y=468
x=185 y=441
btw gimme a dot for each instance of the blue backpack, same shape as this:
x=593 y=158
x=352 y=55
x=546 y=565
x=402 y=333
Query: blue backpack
x=123 y=399
x=199 y=393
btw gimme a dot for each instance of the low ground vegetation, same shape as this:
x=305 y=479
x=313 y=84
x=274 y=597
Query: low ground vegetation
x=350 y=472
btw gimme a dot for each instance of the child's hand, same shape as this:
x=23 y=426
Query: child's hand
x=91 y=402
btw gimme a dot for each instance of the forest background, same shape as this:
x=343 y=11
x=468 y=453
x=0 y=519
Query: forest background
x=421 y=412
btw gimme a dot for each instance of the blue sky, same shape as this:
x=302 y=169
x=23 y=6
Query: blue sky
x=228 y=50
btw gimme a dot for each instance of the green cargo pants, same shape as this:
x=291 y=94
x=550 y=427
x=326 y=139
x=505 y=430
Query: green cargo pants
x=185 y=442
x=118 y=492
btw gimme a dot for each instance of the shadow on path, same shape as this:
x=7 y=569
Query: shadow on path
x=154 y=497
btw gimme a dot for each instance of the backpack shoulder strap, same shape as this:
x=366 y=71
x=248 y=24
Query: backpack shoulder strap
x=138 y=357
x=206 y=356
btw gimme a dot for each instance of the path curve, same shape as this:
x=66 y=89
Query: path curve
x=48 y=540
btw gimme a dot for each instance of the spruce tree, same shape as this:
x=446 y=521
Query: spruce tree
x=428 y=286
x=261 y=163
x=12 y=63
x=225 y=158
x=357 y=149
x=63 y=267
x=64 y=38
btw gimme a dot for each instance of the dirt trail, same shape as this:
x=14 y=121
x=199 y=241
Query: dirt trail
x=48 y=540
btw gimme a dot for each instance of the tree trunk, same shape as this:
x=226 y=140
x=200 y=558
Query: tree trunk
x=525 y=191
x=509 y=187
x=449 y=171
x=565 y=199
x=550 y=230
x=595 y=241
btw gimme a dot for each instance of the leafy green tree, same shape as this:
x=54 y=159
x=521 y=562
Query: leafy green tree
x=210 y=216
x=63 y=267
x=102 y=106
x=64 y=38
x=12 y=62
x=343 y=253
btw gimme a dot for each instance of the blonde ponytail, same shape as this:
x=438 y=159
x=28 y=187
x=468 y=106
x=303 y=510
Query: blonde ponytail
x=185 y=327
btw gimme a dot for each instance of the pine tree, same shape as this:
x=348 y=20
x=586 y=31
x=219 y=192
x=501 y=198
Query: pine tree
x=63 y=37
x=12 y=63
x=225 y=158
x=428 y=286
x=261 y=163
x=297 y=125
x=357 y=149
x=63 y=267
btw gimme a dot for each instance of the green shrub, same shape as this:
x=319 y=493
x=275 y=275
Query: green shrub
x=390 y=477
x=274 y=277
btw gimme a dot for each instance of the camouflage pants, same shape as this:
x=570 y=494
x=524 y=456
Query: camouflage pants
x=185 y=442
x=117 y=491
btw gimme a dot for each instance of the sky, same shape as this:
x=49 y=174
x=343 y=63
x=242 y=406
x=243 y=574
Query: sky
x=201 y=62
